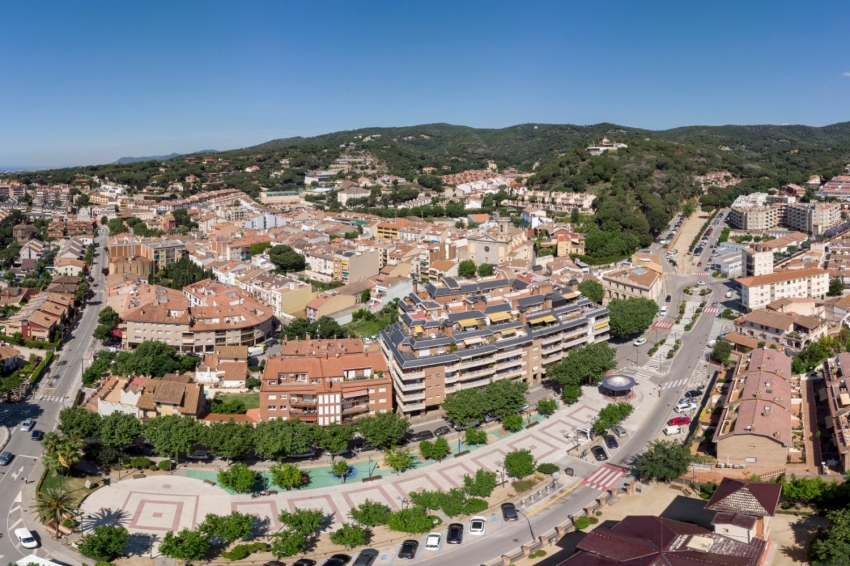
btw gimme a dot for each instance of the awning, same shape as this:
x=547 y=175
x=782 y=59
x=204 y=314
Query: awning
x=472 y=341
x=542 y=319
x=600 y=325
x=418 y=329
x=845 y=399
x=118 y=333
x=508 y=332
x=358 y=393
x=499 y=316
x=468 y=322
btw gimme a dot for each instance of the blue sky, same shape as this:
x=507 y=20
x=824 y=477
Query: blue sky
x=91 y=82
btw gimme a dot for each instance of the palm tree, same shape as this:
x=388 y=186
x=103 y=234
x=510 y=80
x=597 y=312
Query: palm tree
x=53 y=503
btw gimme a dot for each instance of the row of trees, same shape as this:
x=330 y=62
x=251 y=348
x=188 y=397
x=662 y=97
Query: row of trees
x=468 y=269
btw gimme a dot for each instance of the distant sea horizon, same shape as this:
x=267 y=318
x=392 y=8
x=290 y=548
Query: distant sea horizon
x=19 y=168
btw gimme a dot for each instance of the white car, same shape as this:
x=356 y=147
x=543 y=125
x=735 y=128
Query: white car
x=27 y=425
x=432 y=541
x=685 y=407
x=26 y=538
x=477 y=525
x=639 y=342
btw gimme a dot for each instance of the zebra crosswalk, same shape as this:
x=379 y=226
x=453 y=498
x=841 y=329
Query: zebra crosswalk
x=663 y=325
x=605 y=477
x=711 y=310
x=676 y=383
x=699 y=273
x=51 y=398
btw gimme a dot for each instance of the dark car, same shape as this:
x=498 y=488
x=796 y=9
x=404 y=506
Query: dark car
x=442 y=431
x=509 y=512
x=363 y=447
x=611 y=442
x=304 y=562
x=133 y=450
x=5 y=458
x=694 y=393
x=366 y=557
x=669 y=298
x=274 y=563
x=420 y=436
x=408 y=549
x=310 y=453
x=337 y=560
x=201 y=455
x=36 y=435
x=461 y=427
x=454 y=534
x=599 y=453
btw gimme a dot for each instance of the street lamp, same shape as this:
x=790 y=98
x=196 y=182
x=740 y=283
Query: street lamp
x=530 y=528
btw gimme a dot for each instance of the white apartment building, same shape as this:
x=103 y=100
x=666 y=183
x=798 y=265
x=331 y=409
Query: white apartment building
x=758 y=291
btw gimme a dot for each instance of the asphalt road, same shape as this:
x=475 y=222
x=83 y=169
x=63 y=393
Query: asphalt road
x=66 y=366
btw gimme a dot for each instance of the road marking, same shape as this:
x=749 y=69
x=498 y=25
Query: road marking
x=19 y=498
x=553 y=500
x=15 y=524
x=13 y=509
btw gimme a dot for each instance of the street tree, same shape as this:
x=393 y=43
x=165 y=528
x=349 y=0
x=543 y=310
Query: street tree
x=512 y=423
x=520 y=463
x=305 y=522
x=78 y=423
x=117 y=430
x=288 y=543
x=286 y=259
x=582 y=365
x=336 y=437
x=350 y=536
x=481 y=484
x=664 y=460
x=464 y=406
x=238 y=477
x=187 y=545
x=232 y=527
x=287 y=476
x=340 y=469
x=53 y=504
x=399 y=459
x=547 y=406
x=721 y=351
x=384 y=429
x=370 y=514
x=631 y=316
x=485 y=270
x=104 y=543
x=610 y=416
x=172 y=435
x=831 y=546
x=229 y=440
x=410 y=520
x=836 y=287
x=474 y=436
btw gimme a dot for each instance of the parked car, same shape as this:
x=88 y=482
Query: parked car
x=509 y=512
x=310 y=453
x=420 y=436
x=433 y=540
x=611 y=442
x=408 y=549
x=442 y=431
x=366 y=557
x=304 y=562
x=639 y=342
x=678 y=421
x=462 y=427
x=274 y=563
x=455 y=534
x=619 y=431
x=5 y=458
x=599 y=453
x=133 y=450
x=694 y=393
x=363 y=447
x=685 y=407
x=699 y=264
x=337 y=560
x=477 y=525
x=671 y=430
x=36 y=435
x=27 y=425
x=26 y=538
x=669 y=298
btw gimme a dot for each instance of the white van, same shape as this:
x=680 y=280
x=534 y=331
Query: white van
x=728 y=294
x=663 y=311
x=671 y=430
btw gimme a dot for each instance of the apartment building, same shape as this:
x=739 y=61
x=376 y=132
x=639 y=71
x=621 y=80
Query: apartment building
x=836 y=377
x=287 y=297
x=755 y=427
x=730 y=265
x=326 y=381
x=760 y=212
x=452 y=336
x=813 y=217
x=350 y=266
x=160 y=252
x=199 y=329
x=755 y=263
x=759 y=290
x=171 y=395
x=787 y=329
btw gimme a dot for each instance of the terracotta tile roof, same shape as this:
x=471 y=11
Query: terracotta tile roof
x=8 y=352
x=757 y=499
x=779 y=277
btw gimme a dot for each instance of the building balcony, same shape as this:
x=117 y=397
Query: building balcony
x=403 y=386
x=509 y=374
x=303 y=412
x=411 y=397
x=508 y=364
x=508 y=353
x=303 y=402
x=355 y=409
x=475 y=374
x=477 y=362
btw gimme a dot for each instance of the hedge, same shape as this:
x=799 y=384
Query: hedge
x=30 y=343
x=39 y=369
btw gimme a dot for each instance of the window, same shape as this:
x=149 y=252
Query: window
x=272 y=397
x=382 y=390
x=751 y=459
x=283 y=396
x=272 y=408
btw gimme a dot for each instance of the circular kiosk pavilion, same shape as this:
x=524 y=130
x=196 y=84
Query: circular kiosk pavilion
x=618 y=387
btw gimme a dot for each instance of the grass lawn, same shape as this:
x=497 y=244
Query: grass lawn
x=251 y=400
x=364 y=327
x=74 y=484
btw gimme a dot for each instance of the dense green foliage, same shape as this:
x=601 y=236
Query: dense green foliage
x=584 y=364
x=610 y=416
x=384 y=430
x=152 y=358
x=370 y=514
x=721 y=351
x=180 y=274
x=593 y=290
x=500 y=398
x=105 y=542
x=520 y=463
x=631 y=316
x=324 y=328
x=664 y=460
x=466 y=268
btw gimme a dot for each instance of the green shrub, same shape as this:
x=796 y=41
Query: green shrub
x=474 y=506
x=592 y=520
x=140 y=463
x=581 y=523
x=523 y=485
x=242 y=551
x=547 y=468
x=165 y=465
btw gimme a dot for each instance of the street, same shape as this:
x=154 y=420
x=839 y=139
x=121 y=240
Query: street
x=66 y=372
